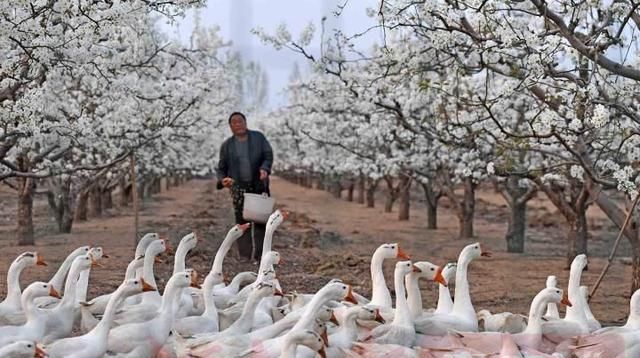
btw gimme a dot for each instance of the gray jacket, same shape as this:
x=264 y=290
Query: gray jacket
x=260 y=157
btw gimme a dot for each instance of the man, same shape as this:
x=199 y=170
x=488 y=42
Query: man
x=244 y=166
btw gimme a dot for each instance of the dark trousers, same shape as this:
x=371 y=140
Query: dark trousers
x=244 y=242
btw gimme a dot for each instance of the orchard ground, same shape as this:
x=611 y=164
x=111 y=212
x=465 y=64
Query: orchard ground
x=329 y=238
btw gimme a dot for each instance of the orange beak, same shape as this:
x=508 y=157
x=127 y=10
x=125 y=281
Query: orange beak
x=333 y=319
x=324 y=336
x=349 y=297
x=379 y=317
x=416 y=268
x=278 y=293
x=40 y=353
x=244 y=227
x=285 y=214
x=95 y=263
x=147 y=287
x=439 y=278
x=565 y=300
x=54 y=293
x=485 y=253
x=40 y=261
x=402 y=255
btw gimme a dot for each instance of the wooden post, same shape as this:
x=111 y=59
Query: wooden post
x=134 y=194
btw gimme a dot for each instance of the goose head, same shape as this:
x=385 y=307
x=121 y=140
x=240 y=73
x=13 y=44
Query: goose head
x=326 y=314
x=277 y=218
x=552 y=281
x=338 y=291
x=40 y=289
x=406 y=267
x=429 y=271
x=369 y=314
x=24 y=349
x=134 y=286
x=474 y=251
x=189 y=241
x=27 y=259
x=182 y=279
x=145 y=241
x=214 y=278
x=98 y=253
x=238 y=230
x=156 y=247
x=310 y=339
x=265 y=289
x=391 y=251
x=449 y=272
x=272 y=258
x=579 y=263
x=85 y=262
x=555 y=295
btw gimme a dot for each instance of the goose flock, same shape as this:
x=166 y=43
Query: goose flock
x=251 y=317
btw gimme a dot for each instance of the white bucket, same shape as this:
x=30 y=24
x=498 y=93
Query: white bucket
x=258 y=207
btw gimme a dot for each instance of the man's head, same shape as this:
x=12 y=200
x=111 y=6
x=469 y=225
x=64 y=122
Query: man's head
x=238 y=124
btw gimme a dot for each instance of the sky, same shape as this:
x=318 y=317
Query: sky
x=236 y=18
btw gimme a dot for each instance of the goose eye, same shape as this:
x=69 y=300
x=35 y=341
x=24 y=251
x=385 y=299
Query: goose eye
x=432 y=269
x=44 y=286
x=344 y=287
x=135 y=282
x=408 y=265
x=187 y=276
x=29 y=345
x=393 y=246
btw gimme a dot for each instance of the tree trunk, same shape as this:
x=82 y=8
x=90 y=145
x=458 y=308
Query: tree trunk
x=95 y=201
x=577 y=236
x=24 y=231
x=467 y=209
x=517 y=227
x=361 y=189
x=350 y=190
x=405 y=198
x=176 y=180
x=125 y=193
x=320 y=183
x=432 y=199
x=107 y=199
x=391 y=196
x=81 y=206
x=371 y=192
x=336 y=188
x=60 y=204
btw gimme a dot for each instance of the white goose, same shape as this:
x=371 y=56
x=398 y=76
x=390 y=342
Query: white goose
x=380 y=296
x=11 y=308
x=83 y=282
x=445 y=303
x=187 y=243
x=347 y=333
x=333 y=291
x=307 y=338
x=149 y=299
x=145 y=339
x=414 y=297
x=34 y=328
x=208 y=321
x=58 y=279
x=141 y=248
x=232 y=236
x=462 y=316
x=575 y=321
x=94 y=343
x=552 y=308
x=59 y=319
x=23 y=349
x=99 y=304
x=490 y=342
x=401 y=331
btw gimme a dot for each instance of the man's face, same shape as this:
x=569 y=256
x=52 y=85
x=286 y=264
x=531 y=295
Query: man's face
x=238 y=125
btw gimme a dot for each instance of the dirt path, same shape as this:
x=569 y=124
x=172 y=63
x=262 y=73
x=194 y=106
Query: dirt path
x=326 y=238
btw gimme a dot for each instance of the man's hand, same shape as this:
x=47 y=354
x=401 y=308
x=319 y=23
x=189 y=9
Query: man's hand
x=263 y=174
x=227 y=182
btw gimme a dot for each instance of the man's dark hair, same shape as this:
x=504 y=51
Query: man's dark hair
x=237 y=114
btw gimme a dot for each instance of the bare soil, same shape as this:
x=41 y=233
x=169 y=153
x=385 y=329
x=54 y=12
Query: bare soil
x=329 y=238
